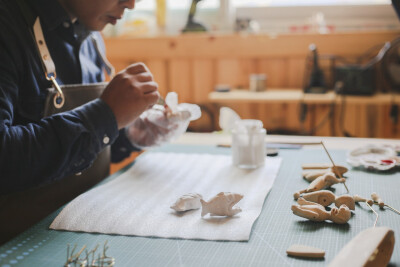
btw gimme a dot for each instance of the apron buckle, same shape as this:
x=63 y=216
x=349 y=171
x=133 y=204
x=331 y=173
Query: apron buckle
x=59 y=98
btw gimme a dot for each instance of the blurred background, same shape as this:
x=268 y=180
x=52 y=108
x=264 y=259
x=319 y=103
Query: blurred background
x=304 y=67
x=153 y=17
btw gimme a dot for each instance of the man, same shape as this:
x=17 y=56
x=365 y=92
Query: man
x=37 y=152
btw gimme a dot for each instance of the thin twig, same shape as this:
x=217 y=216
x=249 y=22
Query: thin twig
x=334 y=166
x=377 y=215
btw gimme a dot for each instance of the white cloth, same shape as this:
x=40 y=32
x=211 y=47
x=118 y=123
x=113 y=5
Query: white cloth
x=138 y=201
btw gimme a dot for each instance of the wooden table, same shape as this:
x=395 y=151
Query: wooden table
x=273 y=232
x=326 y=114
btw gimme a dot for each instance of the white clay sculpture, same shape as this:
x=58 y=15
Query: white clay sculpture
x=221 y=205
x=187 y=202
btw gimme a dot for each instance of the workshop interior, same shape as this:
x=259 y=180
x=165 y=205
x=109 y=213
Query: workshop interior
x=346 y=53
x=291 y=155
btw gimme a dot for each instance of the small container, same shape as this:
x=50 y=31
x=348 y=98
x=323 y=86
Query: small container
x=248 y=144
x=258 y=82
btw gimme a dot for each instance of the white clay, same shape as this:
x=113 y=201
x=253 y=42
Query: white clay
x=187 y=202
x=305 y=251
x=357 y=198
x=171 y=101
x=322 y=197
x=221 y=205
x=376 y=198
x=324 y=181
x=347 y=200
x=317 y=213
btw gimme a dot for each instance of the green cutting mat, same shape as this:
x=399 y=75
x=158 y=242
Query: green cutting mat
x=274 y=231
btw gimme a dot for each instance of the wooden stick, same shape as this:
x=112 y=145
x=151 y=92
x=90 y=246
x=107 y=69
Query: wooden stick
x=333 y=164
x=377 y=200
x=390 y=207
x=377 y=215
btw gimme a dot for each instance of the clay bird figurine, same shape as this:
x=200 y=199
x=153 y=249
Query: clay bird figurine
x=358 y=198
x=221 y=205
x=326 y=197
x=325 y=181
x=187 y=202
x=317 y=213
x=313 y=171
x=322 y=182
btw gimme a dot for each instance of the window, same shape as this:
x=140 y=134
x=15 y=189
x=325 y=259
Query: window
x=261 y=3
x=270 y=16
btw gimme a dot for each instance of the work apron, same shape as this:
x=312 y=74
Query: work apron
x=19 y=211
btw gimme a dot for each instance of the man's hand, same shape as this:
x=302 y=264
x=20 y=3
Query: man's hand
x=130 y=93
x=157 y=126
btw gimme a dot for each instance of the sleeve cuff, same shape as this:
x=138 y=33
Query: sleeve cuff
x=122 y=148
x=101 y=120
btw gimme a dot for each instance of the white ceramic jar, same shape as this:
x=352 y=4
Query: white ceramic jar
x=248 y=144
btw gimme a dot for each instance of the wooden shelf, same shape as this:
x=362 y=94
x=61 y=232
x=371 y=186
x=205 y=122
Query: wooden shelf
x=297 y=95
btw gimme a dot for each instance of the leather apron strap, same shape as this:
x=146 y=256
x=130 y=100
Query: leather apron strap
x=21 y=210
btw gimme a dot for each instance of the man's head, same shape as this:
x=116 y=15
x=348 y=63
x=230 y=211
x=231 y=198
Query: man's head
x=96 y=14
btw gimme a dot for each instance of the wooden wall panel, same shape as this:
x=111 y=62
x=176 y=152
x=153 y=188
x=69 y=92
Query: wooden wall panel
x=350 y=123
x=120 y=65
x=159 y=70
x=321 y=124
x=203 y=74
x=180 y=80
x=295 y=72
x=228 y=71
x=193 y=64
x=381 y=124
x=276 y=70
x=388 y=129
x=251 y=46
